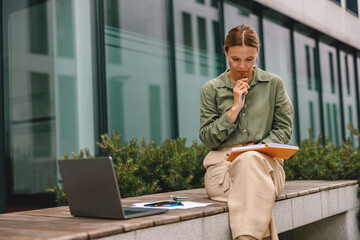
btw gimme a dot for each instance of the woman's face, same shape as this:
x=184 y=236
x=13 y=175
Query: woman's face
x=241 y=61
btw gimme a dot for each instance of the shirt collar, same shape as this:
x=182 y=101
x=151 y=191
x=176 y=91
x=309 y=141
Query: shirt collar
x=257 y=76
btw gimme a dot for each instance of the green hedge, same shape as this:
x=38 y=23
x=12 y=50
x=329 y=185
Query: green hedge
x=147 y=168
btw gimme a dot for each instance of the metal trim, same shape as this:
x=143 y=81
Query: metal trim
x=174 y=118
x=99 y=70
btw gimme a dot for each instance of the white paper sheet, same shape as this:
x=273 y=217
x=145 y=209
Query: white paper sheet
x=186 y=205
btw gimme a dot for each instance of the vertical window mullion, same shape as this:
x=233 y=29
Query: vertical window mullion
x=261 y=38
x=203 y=46
x=172 y=69
x=2 y=122
x=331 y=68
x=312 y=120
x=351 y=122
x=295 y=89
x=328 y=115
x=318 y=86
x=342 y=116
x=347 y=75
x=356 y=74
x=308 y=66
x=335 y=116
x=221 y=25
x=99 y=71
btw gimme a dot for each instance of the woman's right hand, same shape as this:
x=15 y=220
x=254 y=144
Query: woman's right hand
x=240 y=90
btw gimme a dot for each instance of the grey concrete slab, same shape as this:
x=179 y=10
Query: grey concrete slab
x=351 y=225
x=217 y=227
x=191 y=229
x=306 y=209
x=330 y=203
x=283 y=216
x=122 y=236
x=351 y=200
x=330 y=229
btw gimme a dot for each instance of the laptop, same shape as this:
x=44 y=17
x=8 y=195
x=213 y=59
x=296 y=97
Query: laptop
x=92 y=190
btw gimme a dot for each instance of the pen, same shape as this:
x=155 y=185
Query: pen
x=163 y=204
x=178 y=198
x=243 y=95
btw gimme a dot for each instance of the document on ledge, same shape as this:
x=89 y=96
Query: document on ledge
x=185 y=205
x=275 y=150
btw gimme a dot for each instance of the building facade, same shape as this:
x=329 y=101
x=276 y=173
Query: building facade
x=74 y=69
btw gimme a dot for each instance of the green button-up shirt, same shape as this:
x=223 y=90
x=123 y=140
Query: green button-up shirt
x=265 y=117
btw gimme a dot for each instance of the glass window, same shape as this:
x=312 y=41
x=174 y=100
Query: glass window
x=349 y=95
x=137 y=69
x=337 y=1
x=278 y=54
x=50 y=88
x=236 y=15
x=198 y=59
x=330 y=92
x=352 y=5
x=309 y=111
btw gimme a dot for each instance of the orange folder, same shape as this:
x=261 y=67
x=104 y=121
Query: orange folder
x=275 y=150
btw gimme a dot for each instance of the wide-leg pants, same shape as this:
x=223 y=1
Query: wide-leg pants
x=249 y=184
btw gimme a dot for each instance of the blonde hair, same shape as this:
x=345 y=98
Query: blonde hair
x=242 y=35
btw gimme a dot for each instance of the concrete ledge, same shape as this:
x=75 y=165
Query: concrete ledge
x=327 y=213
x=305 y=210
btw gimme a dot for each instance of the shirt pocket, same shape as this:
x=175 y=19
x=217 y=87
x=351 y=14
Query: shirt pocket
x=225 y=100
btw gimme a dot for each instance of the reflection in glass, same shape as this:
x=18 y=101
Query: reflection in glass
x=50 y=89
x=309 y=112
x=330 y=92
x=137 y=69
x=198 y=59
x=278 y=55
x=236 y=15
x=349 y=97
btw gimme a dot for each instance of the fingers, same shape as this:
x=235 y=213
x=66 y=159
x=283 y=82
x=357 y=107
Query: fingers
x=241 y=84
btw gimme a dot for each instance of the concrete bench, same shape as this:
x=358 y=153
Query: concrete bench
x=305 y=210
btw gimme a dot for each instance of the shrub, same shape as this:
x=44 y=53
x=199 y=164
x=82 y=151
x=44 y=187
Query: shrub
x=315 y=161
x=148 y=168
x=328 y=161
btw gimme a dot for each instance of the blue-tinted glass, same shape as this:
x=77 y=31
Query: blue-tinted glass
x=237 y=15
x=188 y=42
x=49 y=74
x=38 y=29
x=197 y=59
x=305 y=64
x=278 y=54
x=203 y=48
x=217 y=48
x=137 y=73
x=65 y=28
x=330 y=91
x=349 y=97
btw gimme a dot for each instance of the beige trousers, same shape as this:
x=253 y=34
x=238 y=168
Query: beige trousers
x=249 y=185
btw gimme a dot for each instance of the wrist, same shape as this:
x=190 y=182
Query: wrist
x=235 y=109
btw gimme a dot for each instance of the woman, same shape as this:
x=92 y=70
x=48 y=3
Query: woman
x=245 y=105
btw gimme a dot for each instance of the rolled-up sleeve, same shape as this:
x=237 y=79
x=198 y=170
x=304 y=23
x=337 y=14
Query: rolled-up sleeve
x=215 y=128
x=283 y=114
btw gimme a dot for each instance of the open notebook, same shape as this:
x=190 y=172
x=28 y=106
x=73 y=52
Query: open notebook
x=275 y=150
